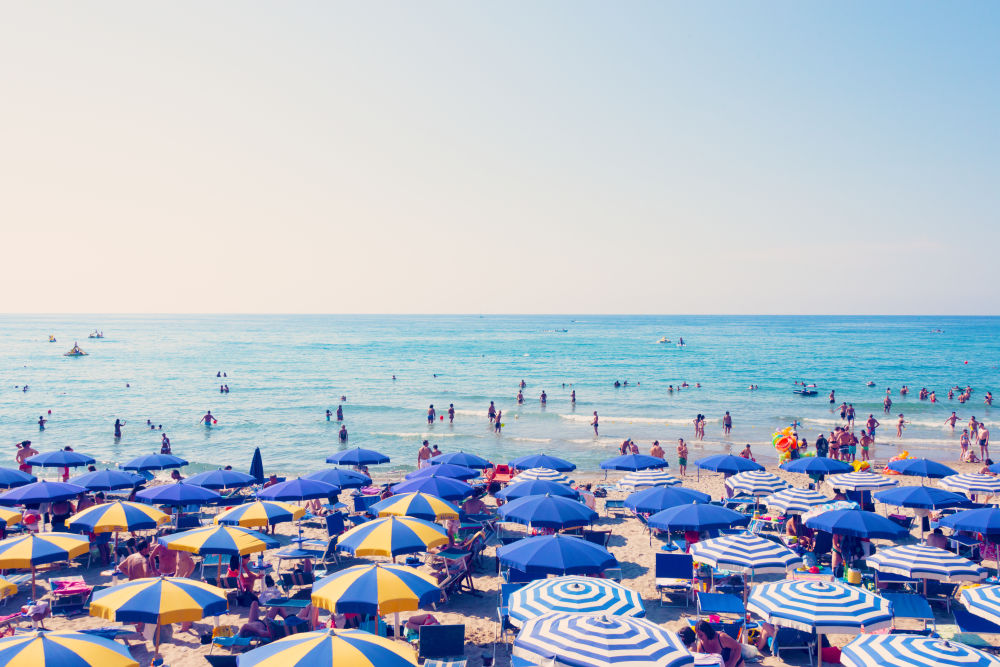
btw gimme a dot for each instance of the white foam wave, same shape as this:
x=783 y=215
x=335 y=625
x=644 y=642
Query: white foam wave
x=427 y=434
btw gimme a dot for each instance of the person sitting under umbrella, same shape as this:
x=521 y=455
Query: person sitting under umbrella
x=719 y=643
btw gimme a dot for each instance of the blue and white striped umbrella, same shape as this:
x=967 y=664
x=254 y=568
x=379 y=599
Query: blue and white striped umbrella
x=825 y=607
x=757 y=483
x=745 y=552
x=588 y=640
x=984 y=601
x=546 y=474
x=919 y=561
x=795 y=501
x=642 y=479
x=972 y=483
x=861 y=481
x=573 y=594
x=912 y=651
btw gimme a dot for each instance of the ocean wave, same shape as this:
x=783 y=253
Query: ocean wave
x=426 y=434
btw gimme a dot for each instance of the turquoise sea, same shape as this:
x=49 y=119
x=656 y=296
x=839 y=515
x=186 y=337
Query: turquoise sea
x=284 y=372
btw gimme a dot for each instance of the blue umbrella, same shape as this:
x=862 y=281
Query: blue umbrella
x=177 y=495
x=659 y=498
x=9 y=478
x=107 y=480
x=912 y=651
x=216 y=540
x=633 y=462
x=547 y=512
x=41 y=492
x=573 y=594
x=257 y=466
x=856 y=523
x=697 y=517
x=919 y=561
x=727 y=463
x=154 y=462
x=298 y=489
x=345 y=479
x=442 y=487
x=985 y=520
x=60 y=459
x=984 y=601
x=823 y=607
x=555 y=554
x=222 y=479
x=542 y=461
x=444 y=470
x=921 y=497
x=920 y=468
x=818 y=466
x=536 y=487
x=462 y=459
x=745 y=553
x=357 y=457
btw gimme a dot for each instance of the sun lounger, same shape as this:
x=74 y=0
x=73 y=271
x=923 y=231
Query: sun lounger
x=442 y=645
x=674 y=572
x=910 y=605
x=616 y=507
x=790 y=639
x=971 y=627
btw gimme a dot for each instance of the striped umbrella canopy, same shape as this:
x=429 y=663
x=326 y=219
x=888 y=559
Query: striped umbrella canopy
x=537 y=487
x=919 y=561
x=555 y=554
x=345 y=479
x=299 y=488
x=60 y=459
x=912 y=651
x=972 y=483
x=544 y=474
x=462 y=459
x=107 y=480
x=983 y=600
x=260 y=514
x=117 y=516
x=651 y=501
x=745 y=552
x=634 y=462
x=641 y=479
x=178 y=494
x=444 y=470
x=542 y=461
x=154 y=462
x=41 y=492
x=547 y=512
x=7 y=588
x=29 y=551
x=224 y=540
x=392 y=536
x=442 y=487
x=222 y=479
x=64 y=649
x=825 y=607
x=757 y=483
x=10 y=477
x=357 y=457
x=861 y=481
x=9 y=517
x=326 y=648
x=573 y=594
x=794 y=501
x=418 y=505
x=588 y=640
x=377 y=589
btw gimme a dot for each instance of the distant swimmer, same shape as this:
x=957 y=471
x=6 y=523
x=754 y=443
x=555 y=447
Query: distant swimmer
x=497 y=425
x=869 y=384
x=218 y=374
x=343 y=433
x=520 y=397
x=118 y=428
x=542 y=398
x=208 y=419
x=951 y=421
x=572 y=396
x=833 y=398
x=431 y=414
x=451 y=413
x=328 y=414
x=41 y=422
x=340 y=413
x=393 y=378
x=594 y=422
x=988 y=399
x=491 y=412
x=523 y=385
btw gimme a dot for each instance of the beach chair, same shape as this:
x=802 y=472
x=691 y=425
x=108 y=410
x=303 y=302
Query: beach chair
x=363 y=503
x=616 y=507
x=939 y=592
x=459 y=577
x=503 y=615
x=901 y=520
x=790 y=639
x=221 y=660
x=598 y=537
x=290 y=580
x=441 y=646
x=910 y=605
x=674 y=572
x=971 y=626
x=500 y=473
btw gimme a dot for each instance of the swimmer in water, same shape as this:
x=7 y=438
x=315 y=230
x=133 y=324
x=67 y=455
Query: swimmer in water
x=491 y=412
x=496 y=422
x=24 y=452
x=431 y=414
x=340 y=413
x=594 y=422
x=542 y=398
x=343 y=433
x=41 y=423
x=118 y=428
x=208 y=419
x=900 y=425
x=328 y=414
x=951 y=421
x=451 y=413
x=572 y=396
x=520 y=397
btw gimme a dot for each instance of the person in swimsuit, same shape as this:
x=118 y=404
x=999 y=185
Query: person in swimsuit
x=431 y=414
x=164 y=444
x=682 y=456
x=887 y=404
x=520 y=397
x=899 y=426
x=866 y=442
x=340 y=413
x=423 y=455
x=328 y=414
x=543 y=398
x=964 y=442
x=451 y=413
x=24 y=452
x=41 y=423
x=951 y=421
x=833 y=397
x=118 y=428
x=594 y=422
x=492 y=412
x=572 y=396
x=343 y=433
x=208 y=419
x=727 y=424
x=872 y=424
x=718 y=643
x=496 y=422
x=984 y=442
x=656 y=451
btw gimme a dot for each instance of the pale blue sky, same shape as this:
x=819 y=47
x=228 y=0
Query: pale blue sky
x=661 y=157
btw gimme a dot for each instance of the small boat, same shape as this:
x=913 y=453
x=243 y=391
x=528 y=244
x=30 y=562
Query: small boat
x=870 y=384
x=52 y=338
x=663 y=340
x=805 y=392
x=75 y=352
x=96 y=334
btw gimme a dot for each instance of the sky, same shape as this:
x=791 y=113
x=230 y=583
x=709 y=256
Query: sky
x=565 y=156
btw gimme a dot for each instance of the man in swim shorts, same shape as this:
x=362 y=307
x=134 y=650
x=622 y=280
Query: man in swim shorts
x=682 y=456
x=24 y=452
x=431 y=414
x=423 y=455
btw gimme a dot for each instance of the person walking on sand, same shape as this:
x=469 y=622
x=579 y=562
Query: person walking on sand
x=593 y=422
x=727 y=424
x=899 y=426
x=208 y=419
x=423 y=455
x=984 y=442
x=682 y=456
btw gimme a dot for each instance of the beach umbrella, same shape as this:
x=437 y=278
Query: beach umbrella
x=696 y=516
x=547 y=511
x=299 y=488
x=573 y=594
x=326 y=648
x=221 y=540
x=392 y=536
x=634 y=462
x=794 y=501
x=177 y=494
x=590 y=640
x=747 y=553
x=158 y=600
x=920 y=468
x=9 y=517
x=542 y=461
x=442 y=487
x=544 y=474
x=658 y=498
x=985 y=520
x=260 y=514
x=34 y=549
x=972 y=483
x=345 y=479
x=357 y=457
x=154 y=462
x=861 y=481
x=41 y=492
x=63 y=649
x=9 y=478
x=817 y=466
x=756 y=483
x=912 y=651
x=555 y=554
x=462 y=459
x=919 y=561
x=984 y=601
x=819 y=606
x=120 y=515
x=60 y=459
x=222 y=479
x=107 y=480
x=727 y=463
x=257 y=466
x=856 y=523
x=642 y=479
x=536 y=487
x=444 y=470
x=920 y=497
x=417 y=505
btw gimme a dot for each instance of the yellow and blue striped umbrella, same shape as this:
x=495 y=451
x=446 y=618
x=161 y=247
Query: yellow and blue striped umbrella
x=417 y=504
x=343 y=648
x=7 y=589
x=225 y=540
x=63 y=649
x=375 y=589
x=9 y=517
x=260 y=514
x=38 y=549
x=117 y=516
x=392 y=536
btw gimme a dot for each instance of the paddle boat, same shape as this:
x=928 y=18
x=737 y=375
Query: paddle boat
x=75 y=352
x=805 y=391
x=96 y=334
x=663 y=340
x=52 y=338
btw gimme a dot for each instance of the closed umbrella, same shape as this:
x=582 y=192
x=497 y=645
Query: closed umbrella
x=357 y=457
x=555 y=554
x=63 y=649
x=257 y=466
x=634 y=462
x=542 y=461
x=326 y=648
x=555 y=512
x=573 y=594
x=912 y=651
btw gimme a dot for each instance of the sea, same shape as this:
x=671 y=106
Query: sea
x=284 y=372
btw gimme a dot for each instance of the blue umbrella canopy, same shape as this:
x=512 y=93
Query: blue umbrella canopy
x=912 y=651
x=556 y=554
x=376 y=589
x=795 y=501
x=357 y=457
x=41 y=492
x=547 y=512
x=658 y=498
x=745 y=552
x=154 y=462
x=542 y=461
x=921 y=497
x=444 y=470
x=573 y=594
x=107 y=480
x=818 y=466
x=824 y=607
x=60 y=459
x=329 y=648
x=9 y=478
x=462 y=459
x=299 y=488
x=919 y=561
x=64 y=649
x=727 y=463
x=697 y=517
x=984 y=601
x=985 y=520
x=177 y=494
x=222 y=479
x=257 y=466
x=345 y=479
x=536 y=487
x=856 y=523
x=633 y=462
x=442 y=487
x=921 y=468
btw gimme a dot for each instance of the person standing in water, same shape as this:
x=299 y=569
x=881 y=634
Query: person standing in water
x=572 y=397
x=451 y=413
x=496 y=422
x=727 y=424
x=594 y=422
x=41 y=422
x=118 y=428
x=833 y=398
x=431 y=414
x=951 y=421
x=543 y=397
x=491 y=412
x=343 y=433
x=208 y=419
x=328 y=414
x=656 y=451
x=24 y=452
x=340 y=413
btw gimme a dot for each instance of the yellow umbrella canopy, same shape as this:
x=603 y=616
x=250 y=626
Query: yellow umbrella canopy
x=227 y=540
x=9 y=517
x=343 y=648
x=117 y=516
x=260 y=514
x=63 y=649
x=392 y=536
x=29 y=551
x=378 y=588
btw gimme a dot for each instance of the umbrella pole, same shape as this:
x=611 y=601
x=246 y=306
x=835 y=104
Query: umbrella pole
x=395 y=623
x=33 y=582
x=819 y=650
x=156 y=642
